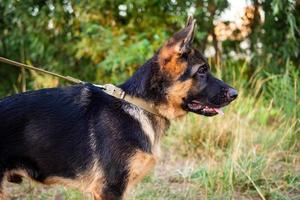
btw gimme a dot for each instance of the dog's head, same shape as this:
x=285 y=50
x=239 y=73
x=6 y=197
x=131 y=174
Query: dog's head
x=193 y=88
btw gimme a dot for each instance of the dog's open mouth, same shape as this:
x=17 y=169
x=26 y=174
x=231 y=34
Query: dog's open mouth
x=207 y=110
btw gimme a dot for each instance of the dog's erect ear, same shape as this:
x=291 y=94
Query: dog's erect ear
x=170 y=55
x=181 y=42
x=189 y=32
x=189 y=21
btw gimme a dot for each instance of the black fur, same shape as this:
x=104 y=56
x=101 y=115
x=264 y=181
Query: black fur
x=148 y=82
x=47 y=133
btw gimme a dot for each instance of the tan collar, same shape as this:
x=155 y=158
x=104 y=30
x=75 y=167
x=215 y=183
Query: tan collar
x=118 y=93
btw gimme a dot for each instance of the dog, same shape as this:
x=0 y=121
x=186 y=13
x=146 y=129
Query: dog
x=81 y=137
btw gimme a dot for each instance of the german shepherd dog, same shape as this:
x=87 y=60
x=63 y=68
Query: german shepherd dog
x=81 y=137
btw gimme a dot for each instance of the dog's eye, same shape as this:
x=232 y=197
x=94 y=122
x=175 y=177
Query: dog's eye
x=185 y=55
x=202 y=69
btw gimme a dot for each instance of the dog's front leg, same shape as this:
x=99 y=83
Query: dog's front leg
x=107 y=194
x=141 y=164
x=113 y=187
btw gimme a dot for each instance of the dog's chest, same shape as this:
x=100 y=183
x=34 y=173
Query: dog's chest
x=146 y=125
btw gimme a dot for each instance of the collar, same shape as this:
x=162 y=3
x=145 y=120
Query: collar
x=118 y=93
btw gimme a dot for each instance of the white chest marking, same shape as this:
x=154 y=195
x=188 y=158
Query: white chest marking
x=144 y=121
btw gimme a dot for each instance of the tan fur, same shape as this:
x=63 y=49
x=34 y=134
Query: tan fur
x=161 y=128
x=141 y=164
x=170 y=62
x=174 y=66
x=175 y=94
x=2 y=196
x=91 y=181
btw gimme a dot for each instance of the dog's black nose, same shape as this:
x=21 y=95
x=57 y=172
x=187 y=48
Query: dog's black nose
x=232 y=94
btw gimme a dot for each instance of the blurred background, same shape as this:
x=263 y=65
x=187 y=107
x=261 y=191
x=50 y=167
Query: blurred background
x=252 y=152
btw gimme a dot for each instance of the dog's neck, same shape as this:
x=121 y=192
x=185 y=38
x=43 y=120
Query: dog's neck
x=149 y=84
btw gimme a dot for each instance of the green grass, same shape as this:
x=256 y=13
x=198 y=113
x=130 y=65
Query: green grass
x=252 y=152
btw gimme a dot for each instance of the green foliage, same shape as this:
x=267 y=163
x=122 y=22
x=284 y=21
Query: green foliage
x=284 y=89
x=111 y=38
x=277 y=40
x=254 y=147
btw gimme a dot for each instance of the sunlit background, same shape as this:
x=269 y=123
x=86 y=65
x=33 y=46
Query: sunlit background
x=252 y=152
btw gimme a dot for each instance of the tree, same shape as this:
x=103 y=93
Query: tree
x=276 y=41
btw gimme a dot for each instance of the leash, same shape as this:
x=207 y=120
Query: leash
x=21 y=65
x=109 y=89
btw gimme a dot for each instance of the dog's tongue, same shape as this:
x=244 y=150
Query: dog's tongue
x=219 y=111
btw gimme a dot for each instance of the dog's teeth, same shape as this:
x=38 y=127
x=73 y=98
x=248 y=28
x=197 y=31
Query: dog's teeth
x=195 y=106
